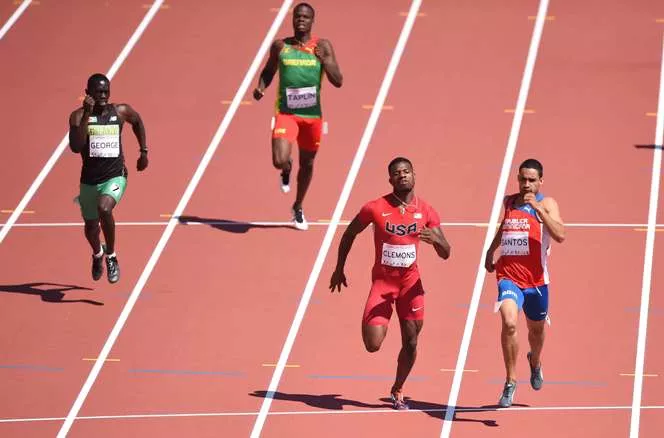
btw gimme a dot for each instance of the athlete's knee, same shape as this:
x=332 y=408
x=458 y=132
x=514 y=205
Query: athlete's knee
x=509 y=327
x=105 y=209
x=371 y=347
x=536 y=328
x=409 y=345
x=307 y=160
x=91 y=227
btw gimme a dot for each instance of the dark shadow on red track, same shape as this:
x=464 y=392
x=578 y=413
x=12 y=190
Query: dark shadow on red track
x=648 y=146
x=48 y=294
x=335 y=402
x=228 y=225
x=323 y=401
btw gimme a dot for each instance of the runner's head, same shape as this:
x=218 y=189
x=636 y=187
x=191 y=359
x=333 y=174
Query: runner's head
x=303 y=18
x=530 y=176
x=99 y=88
x=402 y=176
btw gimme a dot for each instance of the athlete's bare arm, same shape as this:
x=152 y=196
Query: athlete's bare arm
x=338 y=276
x=434 y=236
x=549 y=212
x=489 y=263
x=128 y=114
x=78 y=125
x=270 y=69
x=325 y=52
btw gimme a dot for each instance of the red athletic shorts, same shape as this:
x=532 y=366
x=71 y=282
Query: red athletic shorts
x=306 y=131
x=404 y=290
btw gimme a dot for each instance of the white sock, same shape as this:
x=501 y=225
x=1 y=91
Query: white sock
x=99 y=254
x=110 y=255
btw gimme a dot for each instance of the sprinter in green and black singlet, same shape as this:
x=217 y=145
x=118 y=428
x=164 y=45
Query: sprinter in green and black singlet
x=95 y=132
x=301 y=61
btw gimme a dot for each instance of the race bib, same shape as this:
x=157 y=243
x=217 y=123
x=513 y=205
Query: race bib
x=399 y=256
x=104 y=141
x=301 y=97
x=514 y=243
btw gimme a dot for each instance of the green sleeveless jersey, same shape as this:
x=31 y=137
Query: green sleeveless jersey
x=300 y=74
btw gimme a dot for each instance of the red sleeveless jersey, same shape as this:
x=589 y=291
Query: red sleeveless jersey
x=524 y=246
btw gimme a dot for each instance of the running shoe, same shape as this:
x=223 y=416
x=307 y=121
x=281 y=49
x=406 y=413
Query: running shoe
x=398 y=402
x=113 y=269
x=299 y=220
x=536 y=375
x=97 y=267
x=508 y=395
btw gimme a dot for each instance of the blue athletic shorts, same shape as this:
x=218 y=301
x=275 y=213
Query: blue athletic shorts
x=533 y=300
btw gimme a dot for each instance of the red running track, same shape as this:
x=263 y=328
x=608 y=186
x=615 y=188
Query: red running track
x=216 y=310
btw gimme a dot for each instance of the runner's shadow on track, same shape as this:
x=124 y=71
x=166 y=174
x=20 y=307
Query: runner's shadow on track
x=229 y=225
x=648 y=146
x=49 y=295
x=323 y=401
x=437 y=410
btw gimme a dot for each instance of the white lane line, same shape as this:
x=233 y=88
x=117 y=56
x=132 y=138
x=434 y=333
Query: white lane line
x=212 y=147
x=65 y=140
x=647 y=265
x=290 y=224
x=495 y=212
x=14 y=17
x=336 y=216
x=328 y=412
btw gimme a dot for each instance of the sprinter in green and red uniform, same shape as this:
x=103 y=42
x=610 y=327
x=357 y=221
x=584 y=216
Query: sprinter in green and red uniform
x=301 y=61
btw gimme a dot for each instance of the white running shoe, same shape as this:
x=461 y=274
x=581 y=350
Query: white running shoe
x=299 y=220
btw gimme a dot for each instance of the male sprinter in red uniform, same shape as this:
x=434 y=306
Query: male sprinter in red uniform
x=400 y=221
x=531 y=220
x=301 y=60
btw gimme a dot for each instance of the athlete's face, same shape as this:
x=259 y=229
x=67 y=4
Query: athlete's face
x=402 y=177
x=100 y=92
x=303 y=19
x=529 y=181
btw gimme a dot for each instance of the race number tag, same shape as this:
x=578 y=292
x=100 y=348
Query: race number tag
x=399 y=256
x=301 y=97
x=514 y=243
x=104 y=141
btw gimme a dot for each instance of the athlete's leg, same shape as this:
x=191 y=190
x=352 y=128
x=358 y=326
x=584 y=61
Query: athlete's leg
x=373 y=336
x=304 y=175
x=92 y=232
x=536 y=307
x=105 y=207
x=284 y=134
x=281 y=154
x=110 y=194
x=536 y=337
x=377 y=314
x=410 y=308
x=508 y=338
x=87 y=199
x=410 y=329
x=308 y=140
x=510 y=300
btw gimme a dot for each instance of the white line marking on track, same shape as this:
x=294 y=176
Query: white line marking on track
x=647 y=265
x=495 y=211
x=149 y=15
x=14 y=17
x=283 y=224
x=212 y=147
x=327 y=412
x=336 y=216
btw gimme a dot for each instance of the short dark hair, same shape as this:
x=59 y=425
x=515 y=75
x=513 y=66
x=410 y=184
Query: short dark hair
x=396 y=161
x=95 y=79
x=532 y=163
x=305 y=5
